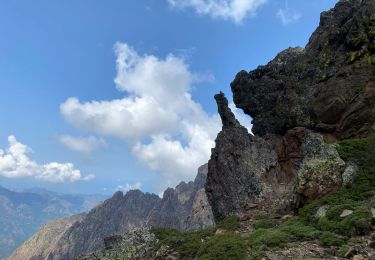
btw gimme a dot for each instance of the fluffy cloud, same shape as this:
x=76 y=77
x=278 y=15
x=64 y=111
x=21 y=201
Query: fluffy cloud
x=85 y=145
x=235 y=10
x=288 y=16
x=169 y=131
x=128 y=187
x=157 y=98
x=14 y=163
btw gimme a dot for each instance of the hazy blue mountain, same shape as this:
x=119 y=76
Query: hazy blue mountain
x=22 y=213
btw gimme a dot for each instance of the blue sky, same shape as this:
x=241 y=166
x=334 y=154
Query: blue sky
x=105 y=95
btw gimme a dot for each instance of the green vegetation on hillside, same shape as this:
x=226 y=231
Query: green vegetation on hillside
x=205 y=244
x=330 y=228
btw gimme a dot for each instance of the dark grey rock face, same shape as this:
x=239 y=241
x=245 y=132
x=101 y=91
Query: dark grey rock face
x=272 y=174
x=328 y=86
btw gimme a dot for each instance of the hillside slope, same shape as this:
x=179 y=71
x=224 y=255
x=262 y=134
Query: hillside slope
x=23 y=213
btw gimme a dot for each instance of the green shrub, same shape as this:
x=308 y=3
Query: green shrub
x=186 y=243
x=343 y=250
x=290 y=231
x=362 y=226
x=224 y=246
x=331 y=239
x=360 y=151
x=300 y=89
x=284 y=77
x=264 y=223
x=230 y=223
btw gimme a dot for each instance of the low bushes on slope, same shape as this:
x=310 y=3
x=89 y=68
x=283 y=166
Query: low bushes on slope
x=205 y=244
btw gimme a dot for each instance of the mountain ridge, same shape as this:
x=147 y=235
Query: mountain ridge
x=184 y=208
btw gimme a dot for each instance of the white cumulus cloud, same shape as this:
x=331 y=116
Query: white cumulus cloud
x=85 y=145
x=288 y=16
x=235 y=10
x=169 y=131
x=15 y=163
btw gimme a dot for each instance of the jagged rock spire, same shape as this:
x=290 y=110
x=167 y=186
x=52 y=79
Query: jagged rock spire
x=226 y=114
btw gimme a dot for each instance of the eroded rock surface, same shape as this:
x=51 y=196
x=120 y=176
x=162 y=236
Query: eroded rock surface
x=302 y=97
x=137 y=243
x=272 y=173
x=327 y=86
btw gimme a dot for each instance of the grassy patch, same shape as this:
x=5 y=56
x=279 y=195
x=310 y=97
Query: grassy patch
x=290 y=231
x=230 y=223
x=331 y=239
x=264 y=223
x=204 y=243
x=224 y=246
x=300 y=89
x=186 y=243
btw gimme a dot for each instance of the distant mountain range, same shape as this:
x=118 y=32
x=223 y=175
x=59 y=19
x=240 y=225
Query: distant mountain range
x=22 y=213
x=184 y=207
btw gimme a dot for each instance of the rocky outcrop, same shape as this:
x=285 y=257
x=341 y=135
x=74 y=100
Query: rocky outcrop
x=303 y=97
x=185 y=207
x=137 y=243
x=327 y=86
x=273 y=173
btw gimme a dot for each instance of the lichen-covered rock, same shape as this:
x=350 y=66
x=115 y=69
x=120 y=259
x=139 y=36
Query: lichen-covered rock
x=329 y=86
x=137 y=243
x=321 y=170
x=273 y=173
x=349 y=174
